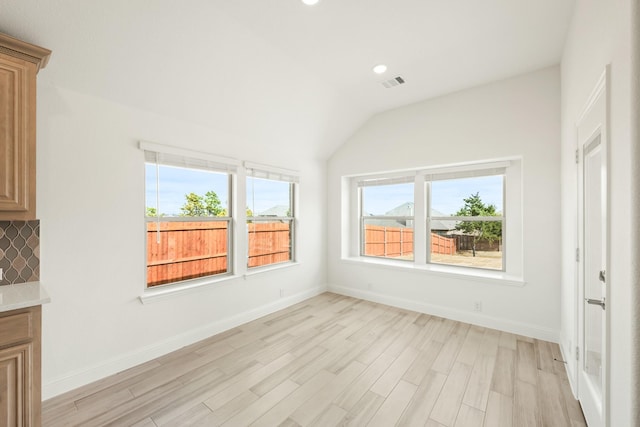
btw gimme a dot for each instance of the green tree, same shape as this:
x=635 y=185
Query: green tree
x=213 y=206
x=152 y=211
x=488 y=230
x=193 y=206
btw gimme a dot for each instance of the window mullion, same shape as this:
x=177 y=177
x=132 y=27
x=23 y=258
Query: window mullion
x=420 y=223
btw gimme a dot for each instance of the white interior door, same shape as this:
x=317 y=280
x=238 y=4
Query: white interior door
x=592 y=289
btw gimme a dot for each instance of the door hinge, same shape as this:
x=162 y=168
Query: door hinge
x=577 y=156
x=577 y=254
x=577 y=353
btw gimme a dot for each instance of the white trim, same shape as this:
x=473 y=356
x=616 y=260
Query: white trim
x=177 y=151
x=251 y=271
x=496 y=277
x=80 y=377
x=174 y=289
x=502 y=324
x=263 y=171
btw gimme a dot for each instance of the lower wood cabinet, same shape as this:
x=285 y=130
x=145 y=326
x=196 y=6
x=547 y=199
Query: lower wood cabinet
x=20 y=394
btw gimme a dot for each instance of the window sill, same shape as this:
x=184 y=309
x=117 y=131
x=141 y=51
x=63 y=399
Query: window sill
x=160 y=293
x=492 y=277
x=257 y=270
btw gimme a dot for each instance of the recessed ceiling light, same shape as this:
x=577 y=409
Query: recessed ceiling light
x=380 y=69
x=310 y=2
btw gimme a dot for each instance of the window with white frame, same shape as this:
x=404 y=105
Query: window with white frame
x=466 y=219
x=188 y=215
x=387 y=217
x=453 y=216
x=271 y=215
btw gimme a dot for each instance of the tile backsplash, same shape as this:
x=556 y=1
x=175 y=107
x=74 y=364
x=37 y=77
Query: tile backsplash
x=19 y=251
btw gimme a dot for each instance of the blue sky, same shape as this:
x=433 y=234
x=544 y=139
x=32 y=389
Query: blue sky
x=176 y=182
x=447 y=196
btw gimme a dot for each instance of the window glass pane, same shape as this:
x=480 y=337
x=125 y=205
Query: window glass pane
x=388 y=238
x=447 y=197
x=479 y=247
x=187 y=247
x=269 y=242
x=186 y=192
x=470 y=243
x=185 y=250
x=388 y=200
x=270 y=198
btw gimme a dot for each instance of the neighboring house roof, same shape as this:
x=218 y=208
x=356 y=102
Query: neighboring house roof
x=278 y=210
x=441 y=224
x=407 y=209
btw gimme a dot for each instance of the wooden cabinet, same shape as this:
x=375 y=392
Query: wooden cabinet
x=19 y=64
x=20 y=395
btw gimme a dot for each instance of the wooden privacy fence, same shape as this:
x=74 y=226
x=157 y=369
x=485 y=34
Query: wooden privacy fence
x=187 y=250
x=465 y=243
x=269 y=243
x=388 y=241
x=395 y=242
x=443 y=245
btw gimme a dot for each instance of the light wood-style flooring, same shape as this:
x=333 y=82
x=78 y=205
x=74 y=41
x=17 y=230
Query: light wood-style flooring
x=333 y=361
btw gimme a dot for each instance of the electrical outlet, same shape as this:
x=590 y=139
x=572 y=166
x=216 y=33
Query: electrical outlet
x=477 y=306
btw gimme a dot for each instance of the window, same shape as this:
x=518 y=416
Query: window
x=465 y=223
x=387 y=217
x=452 y=215
x=188 y=215
x=270 y=215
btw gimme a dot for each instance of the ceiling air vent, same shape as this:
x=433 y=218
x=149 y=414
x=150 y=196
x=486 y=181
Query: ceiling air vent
x=396 y=81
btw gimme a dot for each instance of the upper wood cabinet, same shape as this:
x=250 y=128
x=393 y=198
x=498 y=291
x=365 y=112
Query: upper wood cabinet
x=19 y=64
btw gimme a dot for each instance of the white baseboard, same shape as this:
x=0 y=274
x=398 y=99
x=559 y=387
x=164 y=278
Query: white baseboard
x=81 y=377
x=479 y=319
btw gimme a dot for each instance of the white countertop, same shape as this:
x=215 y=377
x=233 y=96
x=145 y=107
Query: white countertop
x=22 y=295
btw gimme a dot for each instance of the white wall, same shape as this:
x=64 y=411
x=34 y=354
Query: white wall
x=91 y=201
x=514 y=117
x=600 y=35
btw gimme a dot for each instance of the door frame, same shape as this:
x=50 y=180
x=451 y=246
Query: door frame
x=598 y=99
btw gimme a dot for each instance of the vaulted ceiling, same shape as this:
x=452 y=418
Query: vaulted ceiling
x=278 y=71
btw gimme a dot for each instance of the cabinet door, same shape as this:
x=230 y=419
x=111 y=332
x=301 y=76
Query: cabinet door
x=15 y=380
x=17 y=138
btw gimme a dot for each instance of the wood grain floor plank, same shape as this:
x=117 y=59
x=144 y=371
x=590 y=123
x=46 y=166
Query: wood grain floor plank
x=526 y=362
x=553 y=409
x=423 y=363
x=469 y=417
x=309 y=410
x=189 y=417
x=358 y=388
x=508 y=340
x=394 y=405
x=364 y=410
x=387 y=381
x=477 y=392
x=544 y=356
x=447 y=355
x=323 y=362
x=503 y=380
x=330 y=417
x=252 y=412
x=525 y=408
x=281 y=411
x=499 y=411
x=448 y=403
x=418 y=410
